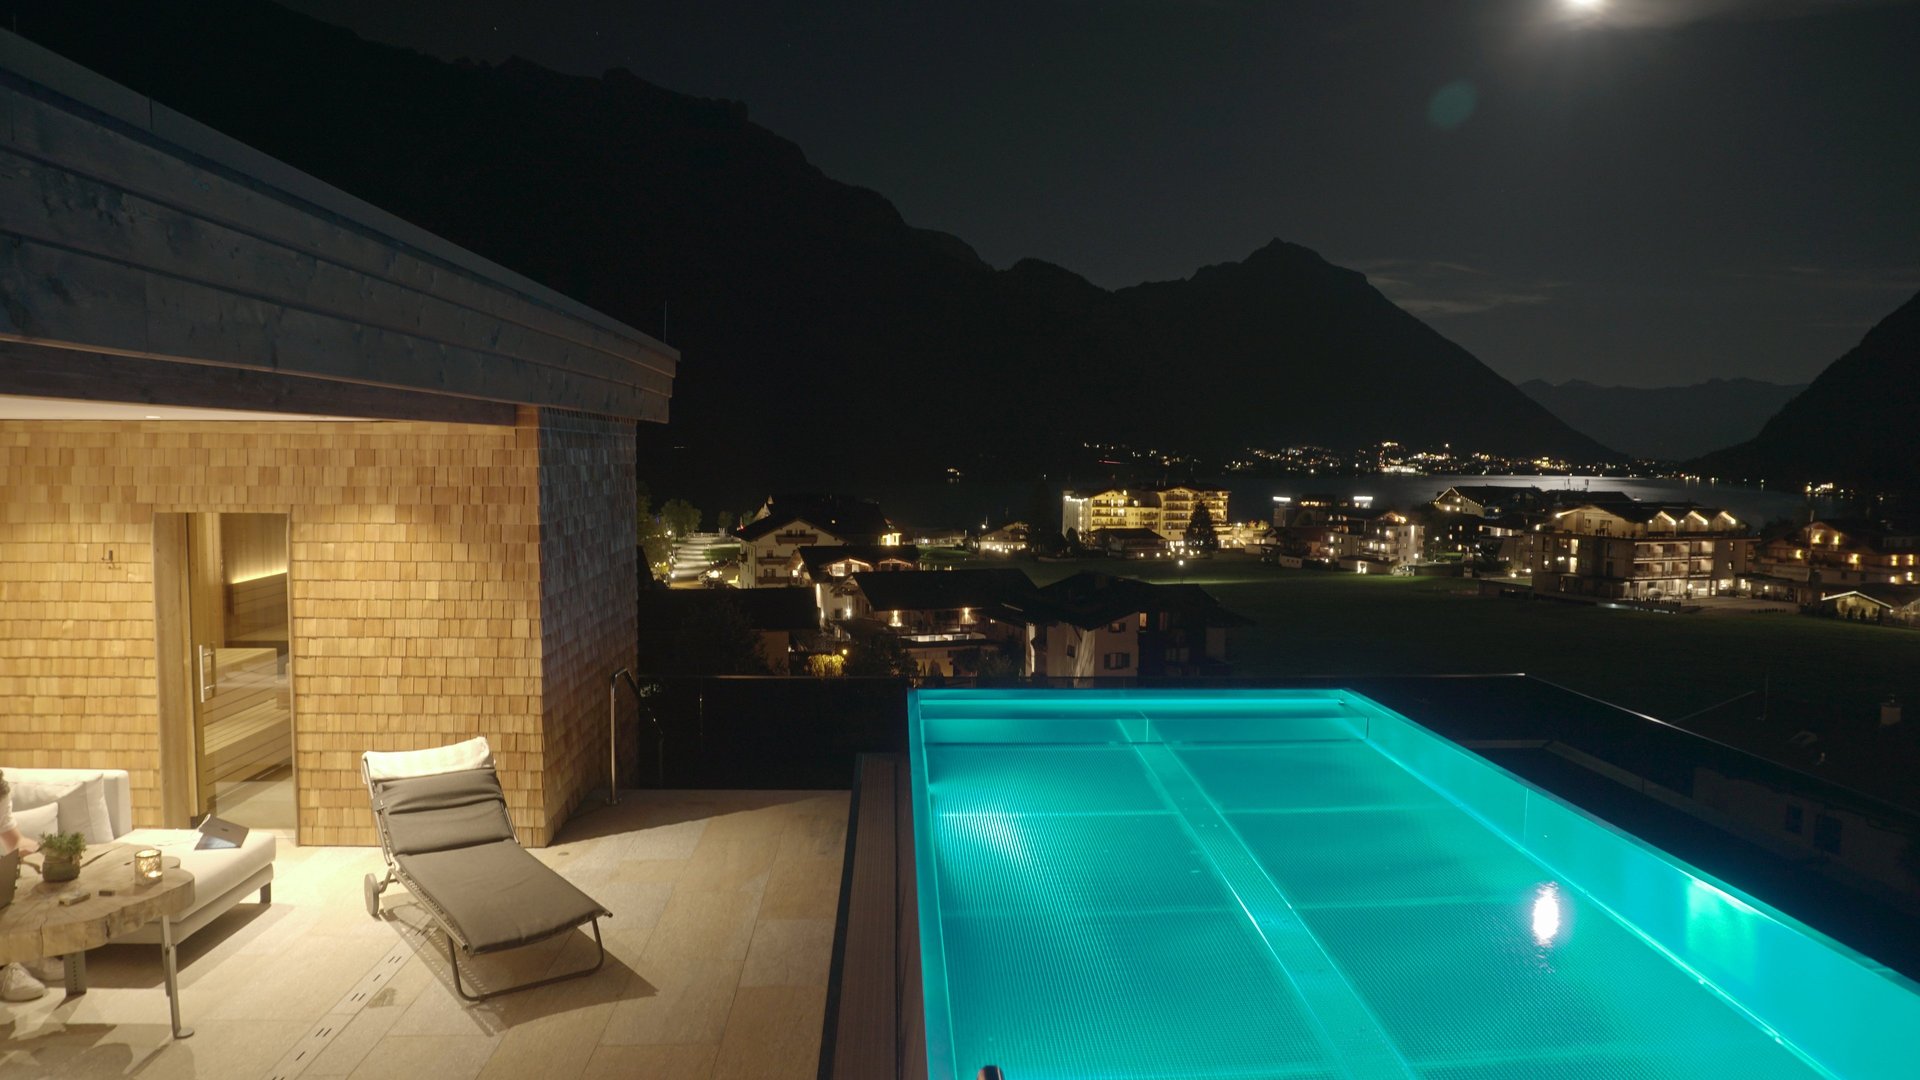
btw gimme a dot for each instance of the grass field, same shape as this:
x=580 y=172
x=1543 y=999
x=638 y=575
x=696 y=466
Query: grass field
x=1820 y=671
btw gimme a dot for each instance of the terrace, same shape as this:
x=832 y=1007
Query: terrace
x=717 y=964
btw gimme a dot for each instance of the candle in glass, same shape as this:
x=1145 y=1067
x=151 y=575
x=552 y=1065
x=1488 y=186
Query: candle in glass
x=146 y=866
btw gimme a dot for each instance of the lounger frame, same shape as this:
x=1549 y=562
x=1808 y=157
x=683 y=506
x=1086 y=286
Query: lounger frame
x=448 y=927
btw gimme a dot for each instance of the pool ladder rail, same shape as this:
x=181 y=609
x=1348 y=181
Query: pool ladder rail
x=613 y=732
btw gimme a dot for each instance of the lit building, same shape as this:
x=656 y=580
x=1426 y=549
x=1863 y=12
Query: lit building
x=1348 y=513
x=1167 y=511
x=1116 y=508
x=1395 y=538
x=1008 y=539
x=821 y=565
x=1180 y=503
x=1874 y=603
x=787 y=523
x=1485 y=500
x=1131 y=543
x=946 y=619
x=1095 y=625
x=1639 y=551
x=1830 y=555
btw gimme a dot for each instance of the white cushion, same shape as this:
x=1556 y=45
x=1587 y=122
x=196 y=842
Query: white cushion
x=37 y=822
x=83 y=803
x=214 y=871
x=116 y=791
x=99 y=821
x=400 y=764
x=75 y=801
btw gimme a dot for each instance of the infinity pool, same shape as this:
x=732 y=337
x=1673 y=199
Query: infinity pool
x=1268 y=884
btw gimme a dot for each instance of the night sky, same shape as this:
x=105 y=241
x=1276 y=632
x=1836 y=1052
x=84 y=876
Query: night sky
x=1638 y=192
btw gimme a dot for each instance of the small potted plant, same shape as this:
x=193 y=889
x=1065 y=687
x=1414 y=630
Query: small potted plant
x=60 y=854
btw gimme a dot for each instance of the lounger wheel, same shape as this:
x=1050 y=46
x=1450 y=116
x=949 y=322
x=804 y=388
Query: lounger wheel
x=372 y=889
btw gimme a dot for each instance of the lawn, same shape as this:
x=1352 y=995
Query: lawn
x=1311 y=622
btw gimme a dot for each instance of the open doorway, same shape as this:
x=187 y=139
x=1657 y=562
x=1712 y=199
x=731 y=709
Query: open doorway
x=226 y=708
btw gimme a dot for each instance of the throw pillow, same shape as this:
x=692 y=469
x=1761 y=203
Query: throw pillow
x=99 y=819
x=37 y=822
x=71 y=796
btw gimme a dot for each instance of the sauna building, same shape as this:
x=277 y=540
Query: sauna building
x=284 y=478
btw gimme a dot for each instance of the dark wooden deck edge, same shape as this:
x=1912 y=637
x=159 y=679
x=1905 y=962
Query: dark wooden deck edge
x=875 y=1025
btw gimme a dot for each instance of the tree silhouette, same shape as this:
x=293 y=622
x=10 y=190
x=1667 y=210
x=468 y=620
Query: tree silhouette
x=706 y=636
x=879 y=653
x=1201 y=535
x=680 y=517
x=649 y=534
x=1043 y=518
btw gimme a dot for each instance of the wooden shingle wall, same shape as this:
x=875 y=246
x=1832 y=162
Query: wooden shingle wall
x=587 y=594
x=416 y=595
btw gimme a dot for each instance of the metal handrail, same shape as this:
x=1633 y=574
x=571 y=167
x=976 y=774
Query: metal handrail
x=613 y=734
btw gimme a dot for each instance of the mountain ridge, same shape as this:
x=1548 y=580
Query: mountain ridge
x=822 y=333
x=1667 y=423
x=1852 y=426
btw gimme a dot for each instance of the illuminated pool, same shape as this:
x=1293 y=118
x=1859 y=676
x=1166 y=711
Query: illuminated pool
x=1266 y=884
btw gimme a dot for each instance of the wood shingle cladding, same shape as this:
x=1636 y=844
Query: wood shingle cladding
x=415 y=594
x=588 y=576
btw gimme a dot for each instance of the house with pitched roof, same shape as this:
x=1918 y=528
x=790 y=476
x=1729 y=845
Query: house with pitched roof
x=787 y=523
x=946 y=619
x=827 y=563
x=1095 y=625
x=1639 y=551
x=1832 y=554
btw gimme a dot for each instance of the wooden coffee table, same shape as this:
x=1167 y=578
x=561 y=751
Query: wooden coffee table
x=36 y=925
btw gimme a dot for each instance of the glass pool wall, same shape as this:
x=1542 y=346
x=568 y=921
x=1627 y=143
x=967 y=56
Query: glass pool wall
x=1833 y=1010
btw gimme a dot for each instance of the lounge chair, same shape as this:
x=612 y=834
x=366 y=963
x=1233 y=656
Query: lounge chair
x=445 y=835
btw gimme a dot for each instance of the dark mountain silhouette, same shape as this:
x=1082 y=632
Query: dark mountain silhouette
x=1854 y=425
x=824 y=337
x=1668 y=423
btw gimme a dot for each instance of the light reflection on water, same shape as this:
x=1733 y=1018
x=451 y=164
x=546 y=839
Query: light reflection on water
x=1548 y=920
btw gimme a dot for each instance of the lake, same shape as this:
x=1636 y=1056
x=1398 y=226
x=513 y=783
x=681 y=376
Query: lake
x=970 y=504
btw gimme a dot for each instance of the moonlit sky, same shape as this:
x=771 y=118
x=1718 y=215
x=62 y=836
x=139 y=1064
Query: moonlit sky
x=1638 y=192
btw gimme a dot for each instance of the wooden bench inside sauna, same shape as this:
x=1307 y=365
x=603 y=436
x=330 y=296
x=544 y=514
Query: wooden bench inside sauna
x=244 y=730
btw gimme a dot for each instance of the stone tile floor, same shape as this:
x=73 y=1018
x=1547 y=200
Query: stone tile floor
x=717 y=961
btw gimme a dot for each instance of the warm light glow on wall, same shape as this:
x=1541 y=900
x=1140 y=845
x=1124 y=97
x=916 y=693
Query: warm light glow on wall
x=257 y=577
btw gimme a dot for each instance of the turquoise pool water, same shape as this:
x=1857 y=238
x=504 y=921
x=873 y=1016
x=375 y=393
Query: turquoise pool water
x=1270 y=884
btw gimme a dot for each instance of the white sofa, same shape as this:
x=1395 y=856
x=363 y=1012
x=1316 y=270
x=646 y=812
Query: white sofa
x=221 y=878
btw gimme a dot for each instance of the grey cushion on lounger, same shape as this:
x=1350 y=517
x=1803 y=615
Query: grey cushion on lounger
x=449 y=810
x=499 y=896
x=450 y=834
